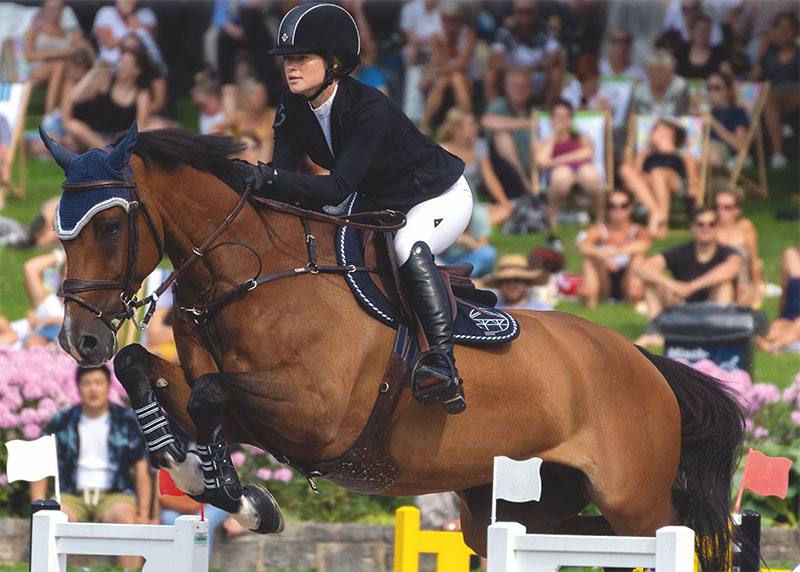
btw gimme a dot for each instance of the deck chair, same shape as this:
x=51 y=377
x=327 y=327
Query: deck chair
x=595 y=124
x=752 y=96
x=14 y=99
x=697 y=129
x=618 y=92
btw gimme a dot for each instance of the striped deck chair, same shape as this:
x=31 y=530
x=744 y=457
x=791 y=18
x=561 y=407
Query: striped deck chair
x=595 y=124
x=752 y=96
x=697 y=141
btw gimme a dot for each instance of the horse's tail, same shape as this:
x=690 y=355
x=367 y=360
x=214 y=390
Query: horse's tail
x=712 y=429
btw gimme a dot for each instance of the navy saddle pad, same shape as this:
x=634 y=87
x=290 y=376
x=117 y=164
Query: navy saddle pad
x=485 y=326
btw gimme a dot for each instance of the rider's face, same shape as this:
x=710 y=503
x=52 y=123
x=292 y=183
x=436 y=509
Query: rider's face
x=304 y=73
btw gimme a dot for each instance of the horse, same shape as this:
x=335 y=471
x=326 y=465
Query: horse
x=295 y=364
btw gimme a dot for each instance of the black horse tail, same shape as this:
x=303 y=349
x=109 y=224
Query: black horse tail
x=712 y=430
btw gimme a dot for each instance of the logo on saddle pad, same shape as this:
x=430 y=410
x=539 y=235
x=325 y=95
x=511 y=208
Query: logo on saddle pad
x=492 y=323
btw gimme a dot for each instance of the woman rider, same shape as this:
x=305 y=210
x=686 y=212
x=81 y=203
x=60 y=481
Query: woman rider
x=370 y=148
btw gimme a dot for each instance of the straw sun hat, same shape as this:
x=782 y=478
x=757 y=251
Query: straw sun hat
x=512 y=267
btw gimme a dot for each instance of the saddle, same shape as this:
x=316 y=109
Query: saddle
x=476 y=321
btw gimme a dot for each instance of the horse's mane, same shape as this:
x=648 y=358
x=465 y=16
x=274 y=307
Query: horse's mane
x=170 y=148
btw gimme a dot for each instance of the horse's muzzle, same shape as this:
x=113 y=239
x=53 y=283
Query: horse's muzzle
x=90 y=344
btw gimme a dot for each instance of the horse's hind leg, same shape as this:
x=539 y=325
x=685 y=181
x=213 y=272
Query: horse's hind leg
x=150 y=381
x=252 y=506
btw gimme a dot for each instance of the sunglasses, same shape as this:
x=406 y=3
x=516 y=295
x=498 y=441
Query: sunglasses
x=620 y=206
x=726 y=207
x=703 y=224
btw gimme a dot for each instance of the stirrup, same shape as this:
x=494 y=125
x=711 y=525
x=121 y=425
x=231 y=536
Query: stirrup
x=433 y=384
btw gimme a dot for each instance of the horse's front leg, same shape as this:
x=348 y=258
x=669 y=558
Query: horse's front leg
x=151 y=382
x=252 y=505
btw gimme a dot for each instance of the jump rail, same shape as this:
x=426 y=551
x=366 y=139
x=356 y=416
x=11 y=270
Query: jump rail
x=510 y=549
x=179 y=548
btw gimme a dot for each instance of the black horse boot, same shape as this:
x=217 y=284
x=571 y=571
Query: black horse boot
x=435 y=375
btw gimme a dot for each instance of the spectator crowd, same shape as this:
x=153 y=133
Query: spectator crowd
x=508 y=86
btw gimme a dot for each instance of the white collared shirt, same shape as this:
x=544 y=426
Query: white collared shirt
x=323 y=113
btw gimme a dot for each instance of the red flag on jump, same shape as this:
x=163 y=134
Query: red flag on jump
x=765 y=476
x=166 y=486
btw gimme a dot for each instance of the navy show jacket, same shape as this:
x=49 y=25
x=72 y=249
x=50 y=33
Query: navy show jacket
x=378 y=152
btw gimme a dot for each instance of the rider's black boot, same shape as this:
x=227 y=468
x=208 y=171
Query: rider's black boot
x=435 y=377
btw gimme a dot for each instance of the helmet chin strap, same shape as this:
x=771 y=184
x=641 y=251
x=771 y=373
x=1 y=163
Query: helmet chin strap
x=330 y=75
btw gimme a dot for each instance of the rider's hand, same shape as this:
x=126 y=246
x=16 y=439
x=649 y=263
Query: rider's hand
x=256 y=176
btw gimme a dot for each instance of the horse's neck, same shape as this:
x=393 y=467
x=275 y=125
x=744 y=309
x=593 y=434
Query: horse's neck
x=193 y=205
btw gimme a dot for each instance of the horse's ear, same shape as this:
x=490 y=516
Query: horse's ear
x=62 y=155
x=121 y=154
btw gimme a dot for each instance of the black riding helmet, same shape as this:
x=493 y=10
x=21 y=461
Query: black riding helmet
x=324 y=29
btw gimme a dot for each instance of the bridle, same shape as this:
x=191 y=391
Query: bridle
x=71 y=287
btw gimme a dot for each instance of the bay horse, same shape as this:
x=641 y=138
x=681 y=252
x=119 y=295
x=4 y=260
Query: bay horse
x=294 y=366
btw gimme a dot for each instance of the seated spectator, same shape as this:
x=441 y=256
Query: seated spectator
x=241 y=29
x=610 y=251
x=698 y=271
x=158 y=338
x=514 y=279
x=619 y=61
x=99 y=446
x=452 y=64
x=158 y=88
x=527 y=43
x=681 y=16
x=420 y=21
x=206 y=98
x=42 y=229
x=697 y=58
x=784 y=332
x=780 y=65
x=113 y=23
x=5 y=164
x=729 y=122
x=663 y=93
x=105 y=102
x=566 y=158
x=508 y=122
x=254 y=148
x=754 y=25
x=42 y=275
x=459 y=135
x=473 y=245
x=584 y=93
x=741 y=235
x=660 y=172
x=256 y=116
x=47 y=48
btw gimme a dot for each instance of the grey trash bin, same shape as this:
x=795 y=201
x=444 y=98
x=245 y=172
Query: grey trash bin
x=705 y=330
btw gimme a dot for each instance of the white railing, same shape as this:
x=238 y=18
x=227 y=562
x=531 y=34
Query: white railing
x=510 y=549
x=182 y=547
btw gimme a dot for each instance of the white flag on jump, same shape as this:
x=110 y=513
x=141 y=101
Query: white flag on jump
x=517 y=481
x=32 y=460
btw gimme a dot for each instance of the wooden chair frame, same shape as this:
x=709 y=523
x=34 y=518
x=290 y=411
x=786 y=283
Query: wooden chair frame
x=536 y=185
x=705 y=171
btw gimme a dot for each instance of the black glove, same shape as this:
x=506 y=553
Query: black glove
x=256 y=176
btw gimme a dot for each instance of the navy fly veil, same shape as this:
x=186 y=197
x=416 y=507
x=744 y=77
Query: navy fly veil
x=77 y=208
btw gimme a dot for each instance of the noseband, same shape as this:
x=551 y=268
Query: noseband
x=71 y=287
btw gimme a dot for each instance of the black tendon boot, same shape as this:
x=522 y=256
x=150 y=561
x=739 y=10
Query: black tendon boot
x=435 y=377
x=158 y=437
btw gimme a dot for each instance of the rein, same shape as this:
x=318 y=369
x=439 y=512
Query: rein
x=387 y=221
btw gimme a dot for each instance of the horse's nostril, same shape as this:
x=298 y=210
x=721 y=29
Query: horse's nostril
x=87 y=345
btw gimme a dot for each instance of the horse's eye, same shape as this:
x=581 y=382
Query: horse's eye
x=110 y=228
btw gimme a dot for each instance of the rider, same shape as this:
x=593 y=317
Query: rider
x=370 y=148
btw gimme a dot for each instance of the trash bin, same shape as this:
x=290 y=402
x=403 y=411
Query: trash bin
x=705 y=330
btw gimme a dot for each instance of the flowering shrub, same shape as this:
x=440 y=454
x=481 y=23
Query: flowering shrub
x=34 y=385
x=773 y=427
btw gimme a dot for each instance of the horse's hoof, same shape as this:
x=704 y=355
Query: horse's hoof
x=270 y=515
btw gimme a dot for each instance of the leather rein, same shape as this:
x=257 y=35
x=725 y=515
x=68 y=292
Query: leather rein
x=386 y=221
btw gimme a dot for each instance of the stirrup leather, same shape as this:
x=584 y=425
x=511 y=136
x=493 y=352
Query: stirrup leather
x=444 y=385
